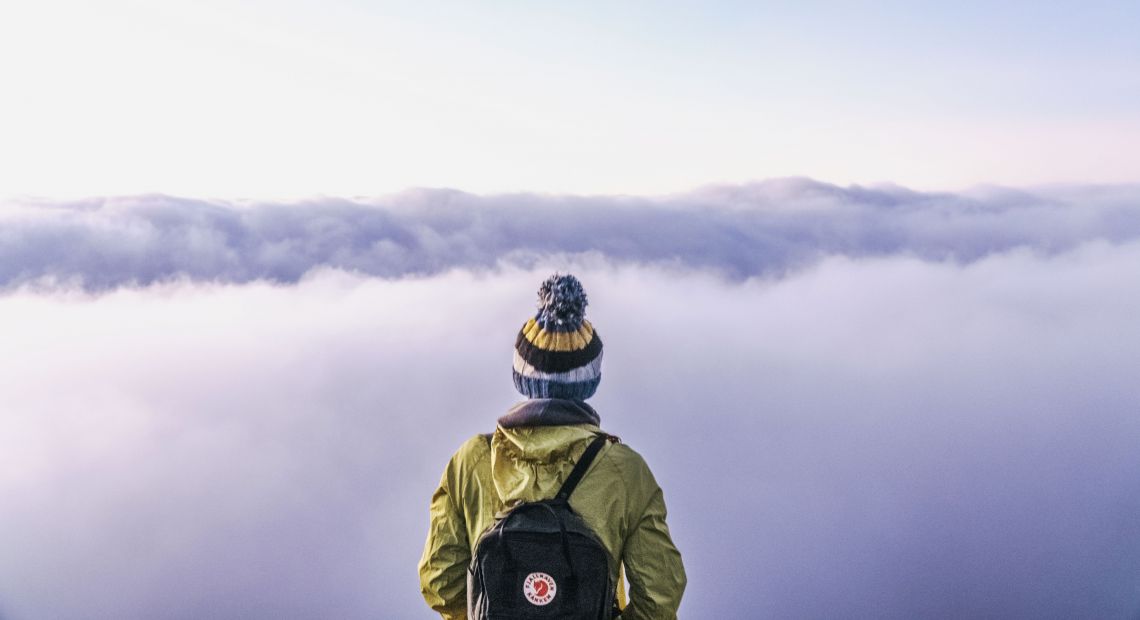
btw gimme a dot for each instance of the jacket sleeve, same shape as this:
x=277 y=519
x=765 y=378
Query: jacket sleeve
x=443 y=567
x=653 y=566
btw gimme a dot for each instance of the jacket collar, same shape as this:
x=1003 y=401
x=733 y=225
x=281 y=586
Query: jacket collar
x=549 y=412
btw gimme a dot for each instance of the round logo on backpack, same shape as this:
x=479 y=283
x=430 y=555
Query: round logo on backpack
x=539 y=588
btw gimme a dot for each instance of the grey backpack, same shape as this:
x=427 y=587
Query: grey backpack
x=541 y=560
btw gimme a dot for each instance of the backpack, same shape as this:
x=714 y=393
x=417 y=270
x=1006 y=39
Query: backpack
x=541 y=560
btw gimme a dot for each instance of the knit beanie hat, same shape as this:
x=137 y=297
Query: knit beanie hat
x=557 y=353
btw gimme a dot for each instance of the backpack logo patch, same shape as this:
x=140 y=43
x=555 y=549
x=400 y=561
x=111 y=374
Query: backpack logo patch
x=539 y=588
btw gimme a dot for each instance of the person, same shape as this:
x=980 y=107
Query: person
x=557 y=366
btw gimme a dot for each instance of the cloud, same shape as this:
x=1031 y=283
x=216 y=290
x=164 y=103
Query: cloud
x=869 y=436
x=765 y=228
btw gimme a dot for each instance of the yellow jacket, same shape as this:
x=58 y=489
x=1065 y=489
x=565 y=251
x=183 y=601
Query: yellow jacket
x=524 y=461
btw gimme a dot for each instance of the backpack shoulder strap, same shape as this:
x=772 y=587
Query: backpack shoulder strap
x=580 y=467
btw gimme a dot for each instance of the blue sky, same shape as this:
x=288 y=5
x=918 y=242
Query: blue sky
x=288 y=99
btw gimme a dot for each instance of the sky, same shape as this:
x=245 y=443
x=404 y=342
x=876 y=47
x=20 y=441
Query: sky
x=868 y=277
x=301 y=98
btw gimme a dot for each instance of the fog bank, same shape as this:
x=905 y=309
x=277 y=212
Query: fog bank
x=761 y=229
x=867 y=437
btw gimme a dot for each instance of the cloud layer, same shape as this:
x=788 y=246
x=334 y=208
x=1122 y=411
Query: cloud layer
x=873 y=436
x=765 y=228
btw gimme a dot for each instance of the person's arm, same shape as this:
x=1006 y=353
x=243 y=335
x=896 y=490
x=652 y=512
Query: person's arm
x=653 y=566
x=443 y=567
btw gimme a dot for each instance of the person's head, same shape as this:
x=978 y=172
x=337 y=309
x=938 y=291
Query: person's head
x=558 y=354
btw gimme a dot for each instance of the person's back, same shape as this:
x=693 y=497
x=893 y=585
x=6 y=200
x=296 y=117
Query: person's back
x=530 y=454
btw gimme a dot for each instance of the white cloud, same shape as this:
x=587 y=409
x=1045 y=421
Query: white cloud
x=889 y=436
x=739 y=230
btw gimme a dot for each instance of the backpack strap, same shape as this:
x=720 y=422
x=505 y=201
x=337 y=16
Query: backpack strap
x=580 y=467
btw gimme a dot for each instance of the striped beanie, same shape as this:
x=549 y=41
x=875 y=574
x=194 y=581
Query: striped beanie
x=557 y=353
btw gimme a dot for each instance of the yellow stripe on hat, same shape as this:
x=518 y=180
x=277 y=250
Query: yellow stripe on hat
x=558 y=341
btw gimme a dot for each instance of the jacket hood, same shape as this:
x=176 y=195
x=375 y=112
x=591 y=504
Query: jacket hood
x=536 y=445
x=549 y=412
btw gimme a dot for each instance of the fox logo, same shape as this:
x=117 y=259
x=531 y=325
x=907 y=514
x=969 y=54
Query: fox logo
x=539 y=588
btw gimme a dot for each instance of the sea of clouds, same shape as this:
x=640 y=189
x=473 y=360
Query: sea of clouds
x=761 y=229
x=861 y=402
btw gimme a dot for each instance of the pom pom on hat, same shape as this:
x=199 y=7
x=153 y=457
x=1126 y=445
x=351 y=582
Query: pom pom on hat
x=558 y=353
x=561 y=303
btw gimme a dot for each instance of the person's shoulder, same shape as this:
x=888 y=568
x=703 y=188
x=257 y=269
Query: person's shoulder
x=473 y=450
x=631 y=469
x=626 y=458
